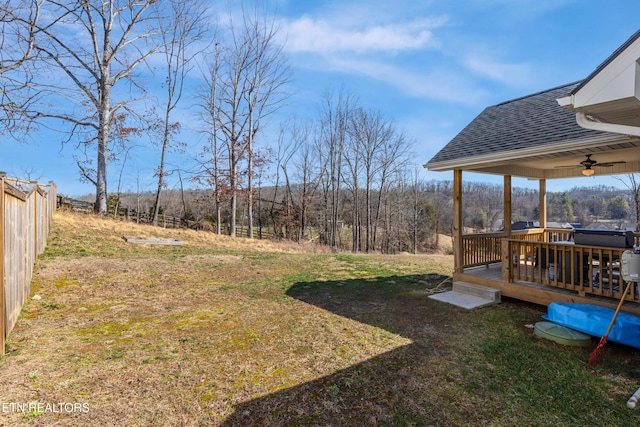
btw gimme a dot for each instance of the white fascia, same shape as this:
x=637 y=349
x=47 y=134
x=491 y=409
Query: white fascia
x=501 y=158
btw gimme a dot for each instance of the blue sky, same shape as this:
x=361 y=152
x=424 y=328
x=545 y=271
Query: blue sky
x=430 y=65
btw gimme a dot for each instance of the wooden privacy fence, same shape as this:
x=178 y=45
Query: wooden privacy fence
x=26 y=209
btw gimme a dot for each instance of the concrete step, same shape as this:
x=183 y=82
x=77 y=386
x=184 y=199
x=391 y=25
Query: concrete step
x=477 y=290
x=469 y=296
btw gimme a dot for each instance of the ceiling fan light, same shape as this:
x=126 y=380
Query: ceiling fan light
x=588 y=172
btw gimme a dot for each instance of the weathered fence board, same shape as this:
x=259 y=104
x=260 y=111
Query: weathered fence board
x=26 y=209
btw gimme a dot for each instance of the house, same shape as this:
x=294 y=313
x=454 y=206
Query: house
x=597 y=226
x=590 y=127
x=525 y=225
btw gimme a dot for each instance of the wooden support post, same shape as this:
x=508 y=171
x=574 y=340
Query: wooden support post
x=507 y=205
x=457 y=221
x=542 y=208
x=507 y=263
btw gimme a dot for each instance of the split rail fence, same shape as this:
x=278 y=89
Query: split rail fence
x=26 y=209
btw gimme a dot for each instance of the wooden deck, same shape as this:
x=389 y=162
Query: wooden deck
x=491 y=276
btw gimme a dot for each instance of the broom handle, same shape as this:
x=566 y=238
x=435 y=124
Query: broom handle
x=615 y=315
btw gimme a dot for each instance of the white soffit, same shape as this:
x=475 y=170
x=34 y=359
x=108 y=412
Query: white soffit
x=622 y=86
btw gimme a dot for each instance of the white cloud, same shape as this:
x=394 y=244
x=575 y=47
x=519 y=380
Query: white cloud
x=403 y=50
x=361 y=48
x=306 y=34
x=437 y=84
x=509 y=74
x=524 y=9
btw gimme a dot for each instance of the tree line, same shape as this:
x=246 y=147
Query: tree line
x=415 y=214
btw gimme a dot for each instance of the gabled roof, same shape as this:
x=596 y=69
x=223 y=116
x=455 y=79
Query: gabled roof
x=532 y=121
x=611 y=94
x=547 y=134
x=607 y=61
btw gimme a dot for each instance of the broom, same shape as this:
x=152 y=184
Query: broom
x=597 y=352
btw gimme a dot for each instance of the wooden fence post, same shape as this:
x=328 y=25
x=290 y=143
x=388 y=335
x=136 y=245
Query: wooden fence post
x=36 y=229
x=3 y=329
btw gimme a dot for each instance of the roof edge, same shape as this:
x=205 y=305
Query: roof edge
x=531 y=95
x=607 y=61
x=487 y=159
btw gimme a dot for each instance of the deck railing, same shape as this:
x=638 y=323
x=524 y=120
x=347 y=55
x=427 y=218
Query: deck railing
x=486 y=248
x=481 y=249
x=548 y=257
x=559 y=263
x=585 y=269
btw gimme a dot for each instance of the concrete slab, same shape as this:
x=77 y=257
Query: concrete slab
x=463 y=300
x=153 y=241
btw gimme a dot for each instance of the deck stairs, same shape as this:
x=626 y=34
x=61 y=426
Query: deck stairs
x=468 y=295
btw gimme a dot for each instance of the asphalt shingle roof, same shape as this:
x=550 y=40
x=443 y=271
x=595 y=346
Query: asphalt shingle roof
x=521 y=123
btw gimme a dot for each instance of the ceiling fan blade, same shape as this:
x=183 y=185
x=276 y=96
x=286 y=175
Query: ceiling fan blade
x=588 y=163
x=567 y=167
x=608 y=164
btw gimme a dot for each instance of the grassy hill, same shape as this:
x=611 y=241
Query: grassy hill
x=224 y=331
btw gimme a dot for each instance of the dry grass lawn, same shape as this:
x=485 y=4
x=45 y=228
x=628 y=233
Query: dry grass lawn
x=231 y=332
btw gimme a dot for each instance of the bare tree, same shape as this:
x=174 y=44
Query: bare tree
x=390 y=159
x=418 y=207
x=29 y=174
x=286 y=148
x=251 y=73
x=119 y=187
x=329 y=147
x=354 y=159
x=395 y=215
x=308 y=174
x=97 y=45
x=376 y=150
x=229 y=120
x=632 y=182
x=267 y=75
x=18 y=26
x=211 y=158
x=180 y=34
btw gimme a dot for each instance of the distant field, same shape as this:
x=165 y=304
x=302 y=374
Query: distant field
x=233 y=332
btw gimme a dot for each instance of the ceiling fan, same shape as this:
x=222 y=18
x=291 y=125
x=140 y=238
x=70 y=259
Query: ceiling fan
x=588 y=164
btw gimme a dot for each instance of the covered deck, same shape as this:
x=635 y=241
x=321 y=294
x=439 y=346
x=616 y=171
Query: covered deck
x=544 y=265
x=588 y=128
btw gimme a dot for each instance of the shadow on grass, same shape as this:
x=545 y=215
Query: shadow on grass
x=460 y=368
x=392 y=388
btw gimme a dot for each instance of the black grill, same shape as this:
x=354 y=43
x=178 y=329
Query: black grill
x=608 y=238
